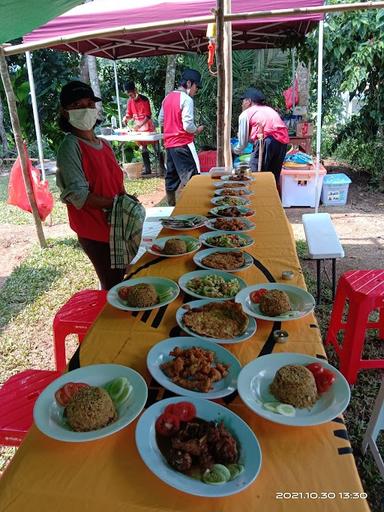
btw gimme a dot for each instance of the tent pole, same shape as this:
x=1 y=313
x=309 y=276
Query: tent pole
x=319 y=109
x=31 y=80
x=117 y=93
x=220 y=82
x=228 y=86
x=20 y=146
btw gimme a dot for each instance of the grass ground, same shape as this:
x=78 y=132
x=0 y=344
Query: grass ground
x=46 y=279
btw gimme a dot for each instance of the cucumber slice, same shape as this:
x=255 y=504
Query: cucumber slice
x=286 y=410
x=271 y=406
x=235 y=470
x=219 y=474
x=117 y=388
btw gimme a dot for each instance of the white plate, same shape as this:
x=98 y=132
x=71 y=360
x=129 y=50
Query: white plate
x=302 y=302
x=201 y=222
x=250 y=226
x=256 y=377
x=198 y=257
x=239 y=184
x=245 y=212
x=205 y=236
x=159 y=354
x=204 y=273
x=248 y=333
x=161 y=242
x=160 y=283
x=219 y=192
x=48 y=415
x=250 y=452
x=240 y=200
x=228 y=178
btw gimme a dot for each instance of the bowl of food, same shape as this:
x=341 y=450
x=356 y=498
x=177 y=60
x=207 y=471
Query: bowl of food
x=90 y=403
x=236 y=192
x=293 y=389
x=276 y=302
x=230 y=224
x=229 y=260
x=232 y=211
x=186 y=222
x=227 y=239
x=213 y=284
x=234 y=460
x=230 y=200
x=174 y=246
x=143 y=293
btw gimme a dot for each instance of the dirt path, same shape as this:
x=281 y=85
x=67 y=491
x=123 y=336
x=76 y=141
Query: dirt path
x=359 y=224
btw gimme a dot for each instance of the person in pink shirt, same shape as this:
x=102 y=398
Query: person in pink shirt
x=260 y=121
x=177 y=119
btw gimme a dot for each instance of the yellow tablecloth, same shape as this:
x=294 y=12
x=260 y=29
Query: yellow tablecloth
x=302 y=469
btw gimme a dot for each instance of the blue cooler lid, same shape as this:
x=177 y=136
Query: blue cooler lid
x=336 y=179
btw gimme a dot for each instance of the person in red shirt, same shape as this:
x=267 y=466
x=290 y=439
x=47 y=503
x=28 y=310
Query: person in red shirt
x=260 y=121
x=139 y=109
x=177 y=118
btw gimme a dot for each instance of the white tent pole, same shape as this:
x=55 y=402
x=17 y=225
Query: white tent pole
x=28 y=57
x=319 y=109
x=117 y=93
x=293 y=79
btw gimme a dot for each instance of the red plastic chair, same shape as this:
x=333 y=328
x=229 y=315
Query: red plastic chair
x=363 y=290
x=75 y=317
x=17 y=399
x=207 y=160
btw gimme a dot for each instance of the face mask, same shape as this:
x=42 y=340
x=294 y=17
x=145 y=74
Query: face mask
x=83 y=118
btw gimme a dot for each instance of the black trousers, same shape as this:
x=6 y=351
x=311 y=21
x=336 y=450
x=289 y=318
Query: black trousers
x=99 y=254
x=181 y=166
x=273 y=157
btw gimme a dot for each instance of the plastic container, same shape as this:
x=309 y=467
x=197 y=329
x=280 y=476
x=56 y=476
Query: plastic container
x=335 y=189
x=298 y=187
x=217 y=172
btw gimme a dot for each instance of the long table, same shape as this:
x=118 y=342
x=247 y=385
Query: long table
x=303 y=469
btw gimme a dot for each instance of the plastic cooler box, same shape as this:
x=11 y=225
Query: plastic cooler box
x=335 y=189
x=297 y=186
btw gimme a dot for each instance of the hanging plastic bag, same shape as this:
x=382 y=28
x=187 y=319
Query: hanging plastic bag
x=17 y=194
x=288 y=93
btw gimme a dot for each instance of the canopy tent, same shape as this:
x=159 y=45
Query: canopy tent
x=84 y=20
x=19 y=17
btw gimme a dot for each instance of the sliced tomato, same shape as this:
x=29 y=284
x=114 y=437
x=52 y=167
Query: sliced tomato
x=257 y=294
x=123 y=292
x=64 y=395
x=186 y=411
x=156 y=248
x=60 y=397
x=325 y=380
x=167 y=424
x=315 y=368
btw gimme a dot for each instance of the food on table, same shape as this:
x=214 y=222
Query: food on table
x=229 y=201
x=229 y=224
x=64 y=395
x=194 y=368
x=203 y=450
x=257 y=294
x=295 y=385
x=213 y=286
x=119 y=390
x=180 y=223
x=232 y=192
x=275 y=303
x=224 y=260
x=139 y=295
x=91 y=408
x=232 y=185
x=234 y=211
x=230 y=241
x=186 y=411
x=224 y=320
x=239 y=177
x=175 y=246
x=324 y=378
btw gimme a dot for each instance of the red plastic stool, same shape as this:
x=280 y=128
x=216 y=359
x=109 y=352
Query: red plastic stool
x=364 y=291
x=75 y=317
x=17 y=399
x=207 y=160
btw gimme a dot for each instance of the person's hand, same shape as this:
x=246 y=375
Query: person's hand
x=125 y=120
x=200 y=128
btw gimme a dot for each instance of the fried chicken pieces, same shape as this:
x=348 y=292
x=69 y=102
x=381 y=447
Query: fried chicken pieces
x=194 y=368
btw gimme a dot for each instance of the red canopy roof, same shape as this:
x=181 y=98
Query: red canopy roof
x=100 y=14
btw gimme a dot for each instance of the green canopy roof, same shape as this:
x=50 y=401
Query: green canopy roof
x=19 y=17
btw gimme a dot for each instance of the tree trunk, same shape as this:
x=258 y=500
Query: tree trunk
x=94 y=80
x=20 y=146
x=170 y=73
x=3 y=135
x=84 y=71
x=220 y=81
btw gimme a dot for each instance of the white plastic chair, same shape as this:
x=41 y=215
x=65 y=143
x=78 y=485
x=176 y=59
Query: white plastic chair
x=375 y=425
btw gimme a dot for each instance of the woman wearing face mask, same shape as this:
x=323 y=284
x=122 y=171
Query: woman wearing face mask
x=88 y=177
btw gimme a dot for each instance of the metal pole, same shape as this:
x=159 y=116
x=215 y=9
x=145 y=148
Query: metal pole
x=293 y=79
x=28 y=57
x=319 y=109
x=117 y=94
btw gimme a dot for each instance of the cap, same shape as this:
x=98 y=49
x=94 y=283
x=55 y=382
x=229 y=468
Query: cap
x=254 y=95
x=130 y=86
x=193 y=75
x=76 y=90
